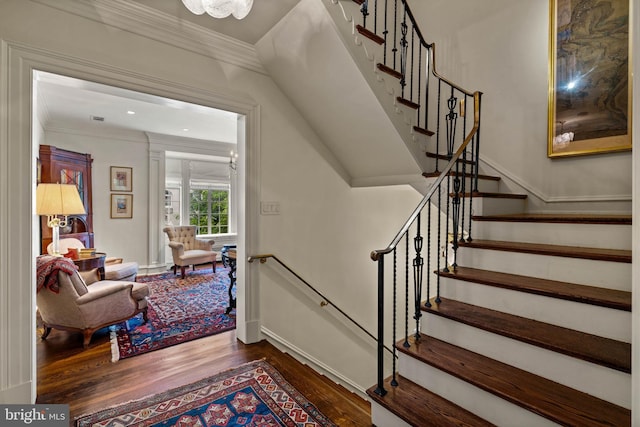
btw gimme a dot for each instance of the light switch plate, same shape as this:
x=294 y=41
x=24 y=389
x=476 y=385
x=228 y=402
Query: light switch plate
x=270 y=208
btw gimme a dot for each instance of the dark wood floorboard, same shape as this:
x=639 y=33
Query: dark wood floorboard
x=88 y=381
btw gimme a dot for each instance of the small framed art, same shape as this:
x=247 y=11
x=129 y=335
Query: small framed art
x=121 y=205
x=121 y=178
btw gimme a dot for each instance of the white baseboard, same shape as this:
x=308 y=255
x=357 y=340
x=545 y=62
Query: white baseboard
x=307 y=359
x=20 y=394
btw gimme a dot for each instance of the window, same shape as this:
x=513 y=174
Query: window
x=200 y=193
x=209 y=210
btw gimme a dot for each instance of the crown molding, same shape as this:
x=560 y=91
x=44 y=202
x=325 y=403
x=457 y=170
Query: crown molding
x=154 y=24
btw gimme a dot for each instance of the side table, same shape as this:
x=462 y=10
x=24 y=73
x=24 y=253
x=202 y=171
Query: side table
x=89 y=263
x=229 y=260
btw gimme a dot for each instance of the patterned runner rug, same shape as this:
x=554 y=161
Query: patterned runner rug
x=179 y=310
x=254 y=394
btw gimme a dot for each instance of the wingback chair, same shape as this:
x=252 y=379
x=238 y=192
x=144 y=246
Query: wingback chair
x=187 y=249
x=67 y=302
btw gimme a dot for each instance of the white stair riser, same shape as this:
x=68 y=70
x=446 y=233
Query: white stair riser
x=484 y=404
x=591 y=319
x=583 y=235
x=484 y=185
x=607 y=274
x=380 y=417
x=596 y=380
x=496 y=206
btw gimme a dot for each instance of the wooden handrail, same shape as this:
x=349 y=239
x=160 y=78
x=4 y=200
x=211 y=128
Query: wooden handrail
x=375 y=255
x=264 y=257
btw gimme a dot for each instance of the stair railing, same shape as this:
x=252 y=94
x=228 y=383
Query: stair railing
x=440 y=105
x=325 y=301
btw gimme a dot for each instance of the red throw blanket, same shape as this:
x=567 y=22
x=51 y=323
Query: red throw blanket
x=47 y=268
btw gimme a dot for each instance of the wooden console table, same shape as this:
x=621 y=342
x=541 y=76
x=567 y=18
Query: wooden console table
x=89 y=263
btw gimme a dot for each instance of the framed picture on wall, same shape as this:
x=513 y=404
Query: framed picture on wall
x=121 y=205
x=589 y=86
x=121 y=178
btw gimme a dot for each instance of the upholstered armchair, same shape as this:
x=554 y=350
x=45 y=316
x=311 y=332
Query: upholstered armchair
x=66 y=301
x=187 y=250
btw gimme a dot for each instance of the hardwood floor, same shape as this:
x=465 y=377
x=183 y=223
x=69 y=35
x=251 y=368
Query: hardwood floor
x=88 y=381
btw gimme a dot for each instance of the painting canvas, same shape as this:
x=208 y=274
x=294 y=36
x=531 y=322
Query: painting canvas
x=589 y=91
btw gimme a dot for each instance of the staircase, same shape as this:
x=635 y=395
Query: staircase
x=526 y=332
x=530 y=324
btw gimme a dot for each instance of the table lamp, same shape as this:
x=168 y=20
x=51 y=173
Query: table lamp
x=57 y=201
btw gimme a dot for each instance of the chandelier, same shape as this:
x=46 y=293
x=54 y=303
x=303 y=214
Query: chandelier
x=220 y=8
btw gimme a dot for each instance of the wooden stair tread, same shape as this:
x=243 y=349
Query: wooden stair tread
x=423 y=131
x=407 y=102
x=544 y=397
x=489 y=195
x=597 y=254
x=389 y=70
x=418 y=406
x=593 y=295
x=369 y=34
x=599 y=350
x=453 y=173
x=558 y=218
x=447 y=158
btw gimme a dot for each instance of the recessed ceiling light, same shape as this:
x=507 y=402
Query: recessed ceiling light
x=185 y=129
x=131 y=112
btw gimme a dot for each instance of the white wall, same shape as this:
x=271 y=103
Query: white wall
x=501 y=48
x=124 y=238
x=323 y=244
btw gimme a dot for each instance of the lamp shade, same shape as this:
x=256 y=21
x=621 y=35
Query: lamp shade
x=58 y=199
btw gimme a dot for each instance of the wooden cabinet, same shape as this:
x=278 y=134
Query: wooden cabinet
x=67 y=167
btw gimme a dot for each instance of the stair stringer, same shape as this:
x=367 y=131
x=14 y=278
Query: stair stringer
x=366 y=55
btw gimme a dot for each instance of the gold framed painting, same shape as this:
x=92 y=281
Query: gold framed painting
x=589 y=85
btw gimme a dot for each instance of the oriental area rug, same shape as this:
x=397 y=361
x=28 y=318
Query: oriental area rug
x=254 y=394
x=179 y=310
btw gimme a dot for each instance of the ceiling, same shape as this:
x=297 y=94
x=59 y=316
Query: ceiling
x=69 y=102
x=263 y=16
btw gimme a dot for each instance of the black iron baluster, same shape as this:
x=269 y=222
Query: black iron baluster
x=418 y=265
x=412 y=61
x=463 y=106
x=406 y=286
x=446 y=243
x=419 y=85
x=403 y=54
x=380 y=391
x=375 y=16
x=385 y=32
x=427 y=68
x=438 y=115
x=428 y=302
x=438 y=242
x=452 y=119
x=456 y=218
x=395 y=34
x=364 y=9
x=394 y=381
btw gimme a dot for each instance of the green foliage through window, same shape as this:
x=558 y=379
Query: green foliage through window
x=209 y=211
